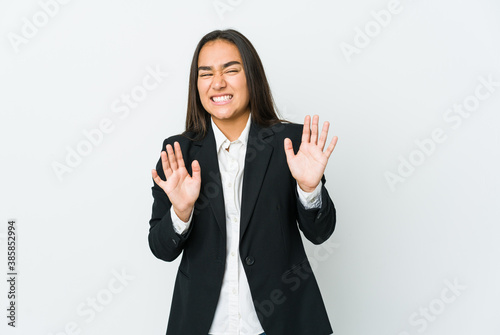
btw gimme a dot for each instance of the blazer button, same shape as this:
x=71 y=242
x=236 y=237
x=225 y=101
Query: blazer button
x=249 y=260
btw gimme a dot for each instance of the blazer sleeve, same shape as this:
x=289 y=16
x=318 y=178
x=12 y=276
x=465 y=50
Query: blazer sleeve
x=317 y=224
x=164 y=242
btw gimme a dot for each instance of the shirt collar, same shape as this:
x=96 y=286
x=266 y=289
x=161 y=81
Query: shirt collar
x=221 y=139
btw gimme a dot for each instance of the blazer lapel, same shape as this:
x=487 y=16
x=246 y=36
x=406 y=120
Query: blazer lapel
x=258 y=153
x=211 y=191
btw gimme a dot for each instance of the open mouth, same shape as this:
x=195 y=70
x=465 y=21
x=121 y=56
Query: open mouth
x=222 y=98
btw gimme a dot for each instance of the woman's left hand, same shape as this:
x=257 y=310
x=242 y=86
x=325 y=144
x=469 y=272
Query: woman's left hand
x=308 y=165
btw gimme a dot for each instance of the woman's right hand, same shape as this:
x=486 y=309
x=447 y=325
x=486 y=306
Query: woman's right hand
x=181 y=188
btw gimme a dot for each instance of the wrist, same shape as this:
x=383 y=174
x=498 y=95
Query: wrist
x=307 y=189
x=185 y=214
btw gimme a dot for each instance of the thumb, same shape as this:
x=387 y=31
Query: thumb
x=156 y=178
x=195 y=167
x=289 y=149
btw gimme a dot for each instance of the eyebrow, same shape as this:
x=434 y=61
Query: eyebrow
x=208 y=68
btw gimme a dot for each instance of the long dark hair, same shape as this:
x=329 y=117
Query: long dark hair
x=262 y=106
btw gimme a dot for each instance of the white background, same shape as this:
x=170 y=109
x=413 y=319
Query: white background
x=395 y=247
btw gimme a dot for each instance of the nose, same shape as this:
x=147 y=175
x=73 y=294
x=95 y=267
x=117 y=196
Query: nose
x=218 y=82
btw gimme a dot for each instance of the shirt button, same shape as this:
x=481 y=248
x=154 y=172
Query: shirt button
x=233 y=253
x=229 y=185
x=234 y=291
x=235 y=219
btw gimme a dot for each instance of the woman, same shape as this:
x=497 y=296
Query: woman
x=229 y=192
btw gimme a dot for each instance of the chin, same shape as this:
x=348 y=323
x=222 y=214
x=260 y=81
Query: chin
x=222 y=115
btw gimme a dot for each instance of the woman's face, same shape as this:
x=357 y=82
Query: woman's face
x=222 y=84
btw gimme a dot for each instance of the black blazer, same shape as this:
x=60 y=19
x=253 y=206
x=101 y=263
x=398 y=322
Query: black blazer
x=285 y=292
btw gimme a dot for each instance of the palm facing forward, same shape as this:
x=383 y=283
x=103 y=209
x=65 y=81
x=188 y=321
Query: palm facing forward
x=181 y=188
x=308 y=165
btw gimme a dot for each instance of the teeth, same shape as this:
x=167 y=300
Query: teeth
x=222 y=98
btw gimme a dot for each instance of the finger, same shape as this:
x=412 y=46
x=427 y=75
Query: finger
x=178 y=155
x=289 y=149
x=156 y=177
x=165 y=164
x=306 y=131
x=171 y=157
x=195 y=167
x=332 y=145
x=314 y=134
x=324 y=135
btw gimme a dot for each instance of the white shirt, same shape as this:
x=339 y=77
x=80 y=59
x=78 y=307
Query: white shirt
x=235 y=313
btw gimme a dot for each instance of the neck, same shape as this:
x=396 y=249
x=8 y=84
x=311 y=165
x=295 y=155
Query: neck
x=232 y=129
